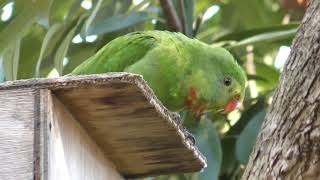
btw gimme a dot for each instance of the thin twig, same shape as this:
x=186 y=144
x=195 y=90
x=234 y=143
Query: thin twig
x=169 y=11
x=197 y=24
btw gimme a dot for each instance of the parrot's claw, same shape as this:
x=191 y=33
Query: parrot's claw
x=176 y=116
x=190 y=137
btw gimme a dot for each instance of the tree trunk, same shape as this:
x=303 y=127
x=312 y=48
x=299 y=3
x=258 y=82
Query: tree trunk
x=288 y=145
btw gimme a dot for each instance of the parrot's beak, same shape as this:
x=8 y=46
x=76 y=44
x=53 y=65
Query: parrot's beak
x=232 y=104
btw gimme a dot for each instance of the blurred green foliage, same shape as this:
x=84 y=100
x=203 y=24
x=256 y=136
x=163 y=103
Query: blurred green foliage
x=40 y=37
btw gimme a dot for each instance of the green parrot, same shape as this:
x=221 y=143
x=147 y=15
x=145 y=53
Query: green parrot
x=185 y=74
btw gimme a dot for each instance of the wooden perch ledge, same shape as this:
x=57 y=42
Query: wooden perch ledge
x=105 y=126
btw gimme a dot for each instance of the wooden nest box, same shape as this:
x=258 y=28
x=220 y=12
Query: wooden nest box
x=108 y=126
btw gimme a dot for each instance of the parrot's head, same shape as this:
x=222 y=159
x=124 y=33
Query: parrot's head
x=219 y=85
x=229 y=85
x=231 y=92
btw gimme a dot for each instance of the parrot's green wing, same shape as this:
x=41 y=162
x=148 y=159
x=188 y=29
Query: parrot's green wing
x=119 y=54
x=182 y=72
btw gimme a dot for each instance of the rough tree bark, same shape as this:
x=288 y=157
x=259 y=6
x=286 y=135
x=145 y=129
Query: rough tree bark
x=288 y=145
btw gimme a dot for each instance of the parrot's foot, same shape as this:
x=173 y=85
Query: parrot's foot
x=176 y=117
x=190 y=137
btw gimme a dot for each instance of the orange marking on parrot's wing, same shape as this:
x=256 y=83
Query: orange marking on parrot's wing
x=191 y=98
x=188 y=103
x=192 y=93
x=192 y=102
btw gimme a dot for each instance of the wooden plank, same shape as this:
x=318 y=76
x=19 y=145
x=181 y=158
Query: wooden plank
x=123 y=116
x=42 y=136
x=118 y=116
x=17 y=118
x=72 y=153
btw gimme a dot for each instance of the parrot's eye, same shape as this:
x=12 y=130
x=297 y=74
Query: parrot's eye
x=227 y=81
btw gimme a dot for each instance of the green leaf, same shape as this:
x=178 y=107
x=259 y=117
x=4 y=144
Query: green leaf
x=229 y=161
x=270 y=75
x=30 y=50
x=75 y=11
x=189 y=7
x=208 y=141
x=255 y=77
x=17 y=26
x=122 y=6
x=63 y=48
x=117 y=22
x=48 y=60
x=60 y=10
x=248 y=14
x=138 y=6
x=202 y=6
x=184 y=10
x=248 y=137
x=3 y=3
x=210 y=29
x=77 y=54
x=30 y=12
x=238 y=36
x=11 y=60
x=236 y=16
x=92 y=16
x=107 y=9
x=265 y=38
x=44 y=47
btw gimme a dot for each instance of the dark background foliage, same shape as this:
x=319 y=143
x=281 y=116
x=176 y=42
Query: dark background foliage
x=48 y=38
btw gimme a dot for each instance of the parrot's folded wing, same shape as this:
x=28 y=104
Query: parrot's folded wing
x=118 y=54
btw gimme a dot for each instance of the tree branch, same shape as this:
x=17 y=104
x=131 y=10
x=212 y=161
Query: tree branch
x=170 y=13
x=287 y=146
x=197 y=24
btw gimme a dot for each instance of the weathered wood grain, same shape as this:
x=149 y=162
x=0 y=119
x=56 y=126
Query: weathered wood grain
x=129 y=129
x=123 y=116
x=42 y=135
x=72 y=153
x=17 y=118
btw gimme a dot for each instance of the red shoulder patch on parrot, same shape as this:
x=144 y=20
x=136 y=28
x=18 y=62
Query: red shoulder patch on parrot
x=191 y=98
x=192 y=102
x=192 y=92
